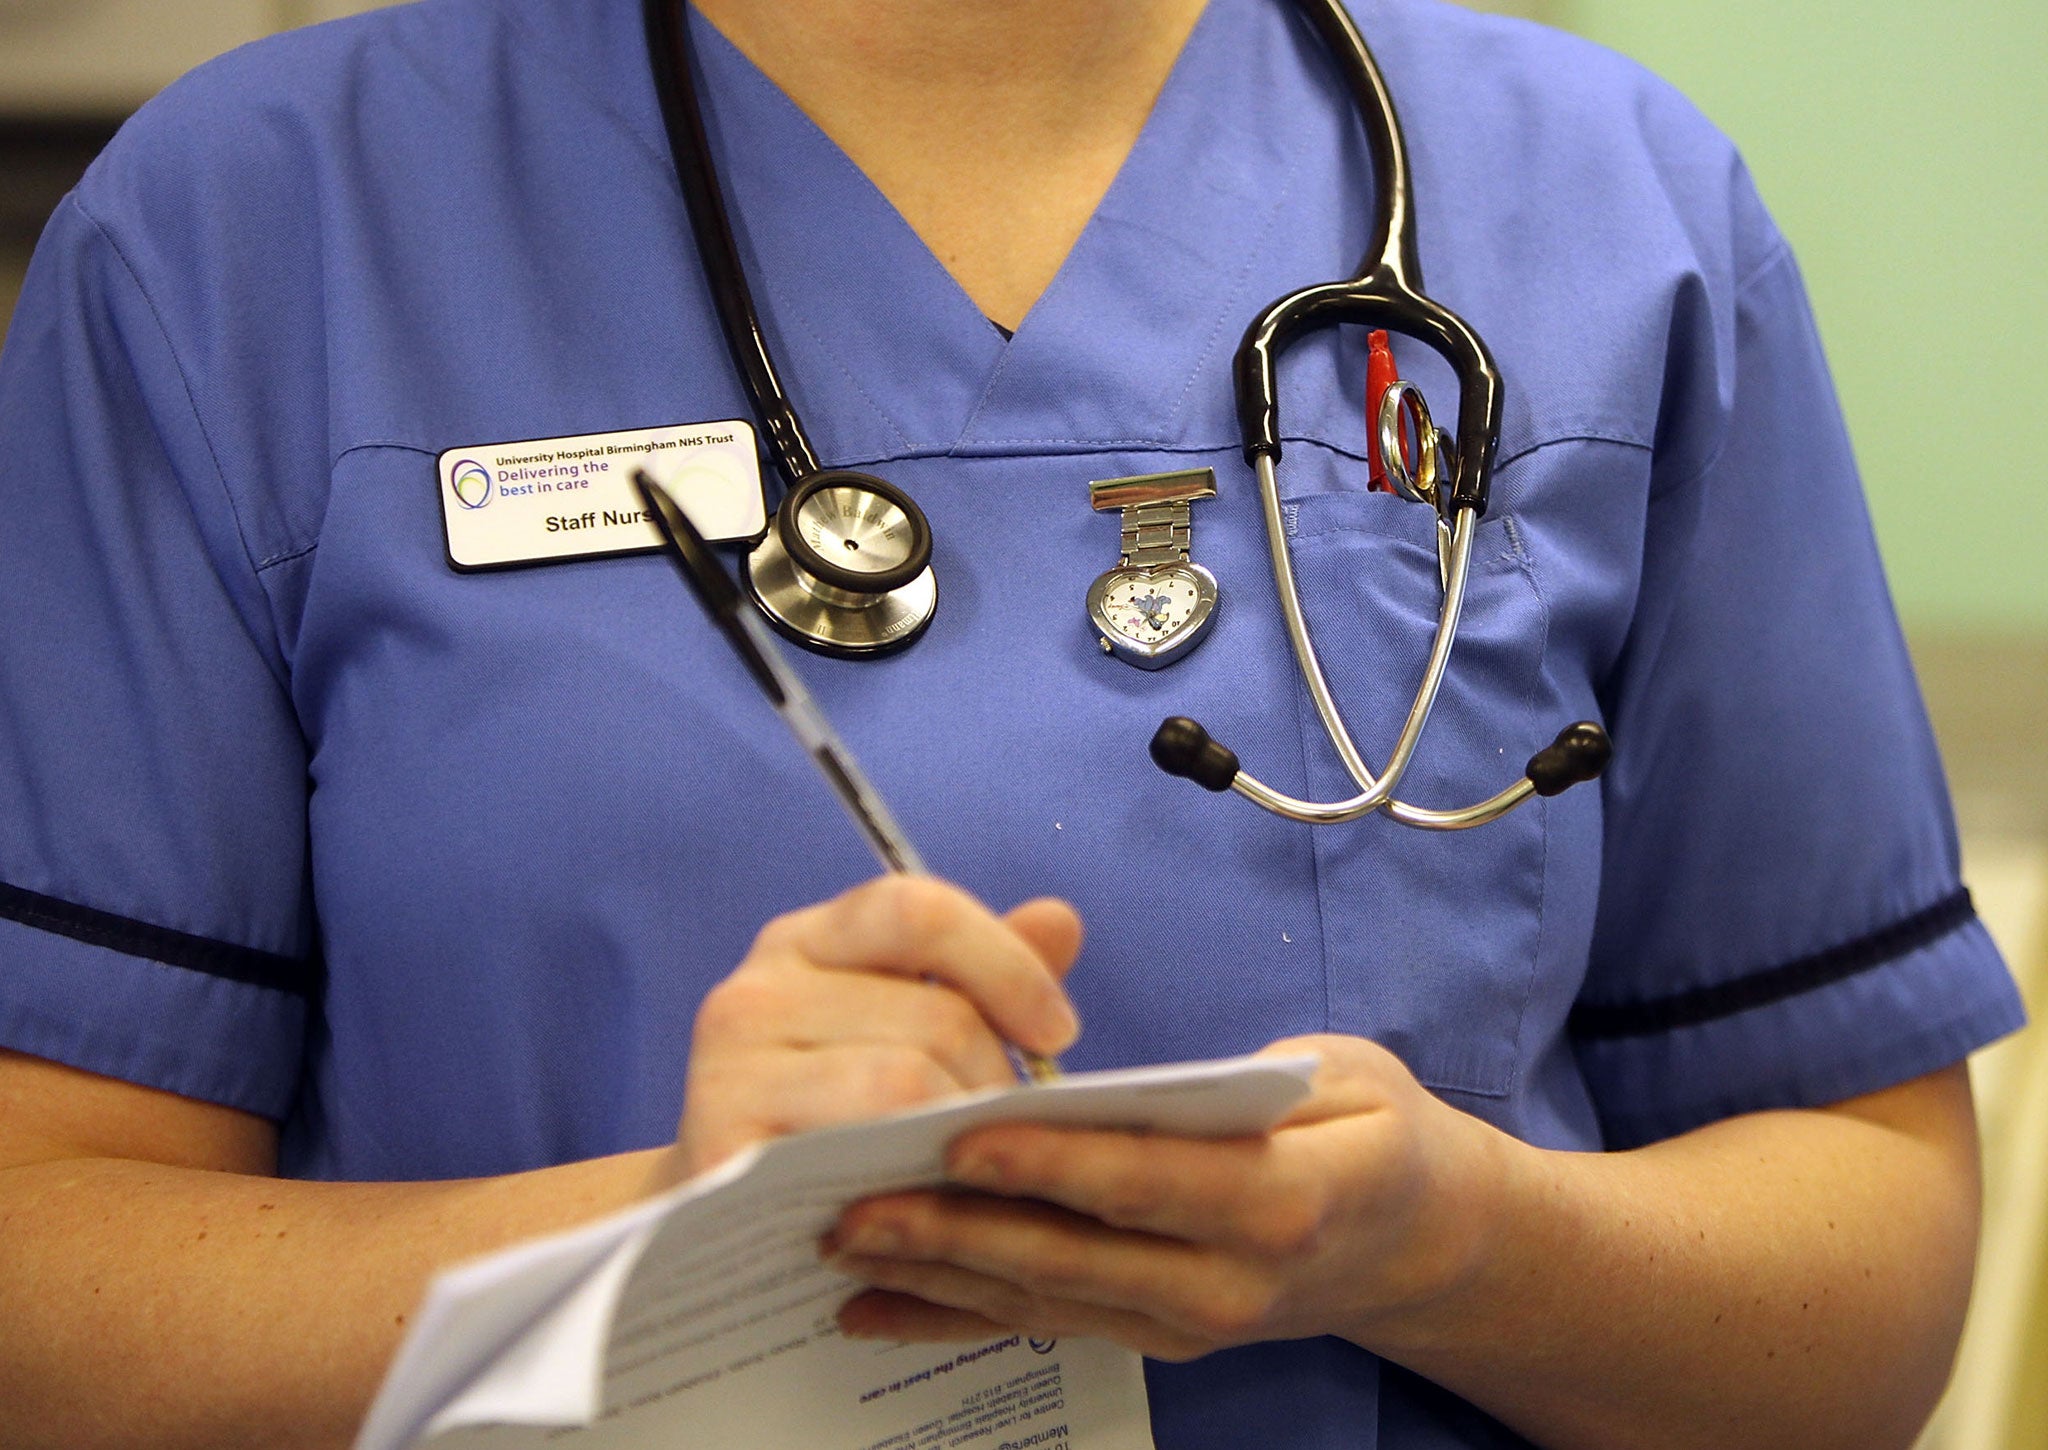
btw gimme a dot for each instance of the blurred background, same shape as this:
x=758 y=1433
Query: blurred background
x=1904 y=149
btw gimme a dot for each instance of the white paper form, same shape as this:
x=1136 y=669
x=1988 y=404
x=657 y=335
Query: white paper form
x=705 y=1318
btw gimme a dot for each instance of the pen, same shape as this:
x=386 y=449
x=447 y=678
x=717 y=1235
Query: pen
x=757 y=650
x=1380 y=374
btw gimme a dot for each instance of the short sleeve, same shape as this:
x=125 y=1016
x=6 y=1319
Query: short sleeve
x=1781 y=921
x=154 y=915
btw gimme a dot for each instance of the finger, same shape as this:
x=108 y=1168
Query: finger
x=920 y=927
x=884 y=1314
x=1051 y=928
x=751 y=1094
x=1241 y=1195
x=1017 y=1253
x=914 y=1302
x=1353 y=1076
x=813 y=1010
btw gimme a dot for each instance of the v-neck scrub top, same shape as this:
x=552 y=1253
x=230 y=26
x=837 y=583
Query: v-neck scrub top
x=434 y=868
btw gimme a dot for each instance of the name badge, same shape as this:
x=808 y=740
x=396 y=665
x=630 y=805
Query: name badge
x=550 y=500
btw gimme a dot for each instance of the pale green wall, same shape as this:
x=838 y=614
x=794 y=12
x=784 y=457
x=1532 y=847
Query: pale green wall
x=1903 y=147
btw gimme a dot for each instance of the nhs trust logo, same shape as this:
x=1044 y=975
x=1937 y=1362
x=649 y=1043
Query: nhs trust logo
x=551 y=500
x=470 y=483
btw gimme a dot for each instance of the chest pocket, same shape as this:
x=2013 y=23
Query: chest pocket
x=1430 y=937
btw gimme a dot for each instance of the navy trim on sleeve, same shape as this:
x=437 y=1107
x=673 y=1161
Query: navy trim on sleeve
x=1775 y=984
x=279 y=973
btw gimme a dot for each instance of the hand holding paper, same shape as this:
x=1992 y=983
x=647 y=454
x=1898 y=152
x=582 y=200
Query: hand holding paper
x=1332 y=1224
x=708 y=1309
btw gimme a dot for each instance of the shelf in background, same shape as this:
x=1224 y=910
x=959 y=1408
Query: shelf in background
x=1988 y=696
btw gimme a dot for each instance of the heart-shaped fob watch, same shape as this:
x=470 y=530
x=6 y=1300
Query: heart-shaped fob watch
x=1156 y=604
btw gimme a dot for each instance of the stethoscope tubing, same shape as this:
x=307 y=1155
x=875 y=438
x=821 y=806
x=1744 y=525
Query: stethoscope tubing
x=1386 y=291
x=1378 y=790
x=668 y=41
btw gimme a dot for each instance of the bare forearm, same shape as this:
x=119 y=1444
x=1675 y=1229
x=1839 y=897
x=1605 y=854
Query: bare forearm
x=148 y=1300
x=1793 y=1278
x=169 y=1307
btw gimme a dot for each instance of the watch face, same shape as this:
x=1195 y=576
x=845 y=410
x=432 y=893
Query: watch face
x=1149 y=609
x=1152 y=616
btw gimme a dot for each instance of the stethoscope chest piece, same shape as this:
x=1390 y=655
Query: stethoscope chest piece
x=846 y=566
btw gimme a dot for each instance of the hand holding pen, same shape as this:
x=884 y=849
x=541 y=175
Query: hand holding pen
x=758 y=651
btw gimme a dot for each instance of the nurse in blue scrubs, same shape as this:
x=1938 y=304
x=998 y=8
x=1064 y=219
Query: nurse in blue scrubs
x=359 y=914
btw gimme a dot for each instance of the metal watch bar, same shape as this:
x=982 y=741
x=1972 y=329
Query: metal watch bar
x=1156 y=533
x=1182 y=485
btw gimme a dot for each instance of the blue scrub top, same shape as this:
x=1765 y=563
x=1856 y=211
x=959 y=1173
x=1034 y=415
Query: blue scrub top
x=434 y=868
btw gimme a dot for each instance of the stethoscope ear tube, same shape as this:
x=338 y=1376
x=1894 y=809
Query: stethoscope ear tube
x=1182 y=747
x=668 y=41
x=1580 y=753
x=1378 y=299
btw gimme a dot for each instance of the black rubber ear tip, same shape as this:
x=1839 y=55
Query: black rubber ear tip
x=1579 y=753
x=1181 y=747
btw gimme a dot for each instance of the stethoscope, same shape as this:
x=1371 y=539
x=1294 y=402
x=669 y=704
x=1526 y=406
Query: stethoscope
x=845 y=567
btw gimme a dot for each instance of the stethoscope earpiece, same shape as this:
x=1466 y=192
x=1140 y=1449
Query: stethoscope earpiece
x=1579 y=754
x=1181 y=747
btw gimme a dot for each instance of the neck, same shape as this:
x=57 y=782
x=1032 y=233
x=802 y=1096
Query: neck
x=1016 y=47
x=994 y=126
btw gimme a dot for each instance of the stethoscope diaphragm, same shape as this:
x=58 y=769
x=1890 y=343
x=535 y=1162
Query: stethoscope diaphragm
x=845 y=568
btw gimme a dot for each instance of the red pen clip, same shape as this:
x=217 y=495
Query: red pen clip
x=1380 y=375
